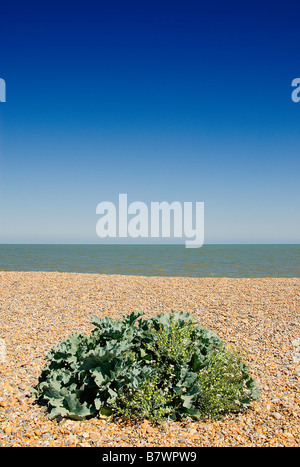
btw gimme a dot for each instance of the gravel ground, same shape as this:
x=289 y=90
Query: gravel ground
x=259 y=316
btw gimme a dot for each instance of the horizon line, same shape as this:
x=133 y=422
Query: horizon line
x=145 y=244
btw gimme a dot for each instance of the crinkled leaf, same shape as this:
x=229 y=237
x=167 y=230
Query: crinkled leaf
x=58 y=412
x=76 y=410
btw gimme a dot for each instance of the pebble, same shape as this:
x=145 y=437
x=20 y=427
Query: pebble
x=276 y=415
x=259 y=316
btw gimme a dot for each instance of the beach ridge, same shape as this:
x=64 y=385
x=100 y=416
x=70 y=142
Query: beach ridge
x=260 y=316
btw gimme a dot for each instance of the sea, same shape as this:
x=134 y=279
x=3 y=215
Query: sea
x=244 y=261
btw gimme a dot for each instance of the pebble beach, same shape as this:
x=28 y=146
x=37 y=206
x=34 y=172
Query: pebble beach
x=259 y=316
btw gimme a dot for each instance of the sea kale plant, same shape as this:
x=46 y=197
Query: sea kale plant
x=167 y=366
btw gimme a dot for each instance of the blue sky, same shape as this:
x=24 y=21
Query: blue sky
x=164 y=101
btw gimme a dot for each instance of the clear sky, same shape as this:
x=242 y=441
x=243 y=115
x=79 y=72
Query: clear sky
x=162 y=100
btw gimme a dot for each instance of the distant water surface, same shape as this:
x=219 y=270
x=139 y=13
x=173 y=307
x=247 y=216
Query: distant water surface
x=156 y=260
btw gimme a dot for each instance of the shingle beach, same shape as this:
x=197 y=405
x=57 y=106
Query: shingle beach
x=259 y=316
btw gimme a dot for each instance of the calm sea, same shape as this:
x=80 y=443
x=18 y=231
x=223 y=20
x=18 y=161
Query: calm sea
x=158 y=260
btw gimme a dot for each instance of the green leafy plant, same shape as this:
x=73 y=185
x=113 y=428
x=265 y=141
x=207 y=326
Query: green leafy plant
x=225 y=384
x=166 y=366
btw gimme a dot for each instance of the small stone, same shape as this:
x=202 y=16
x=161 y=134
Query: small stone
x=276 y=415
x=95 y=436
x=150 y=429
x=7 y=430
x=182 y=440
